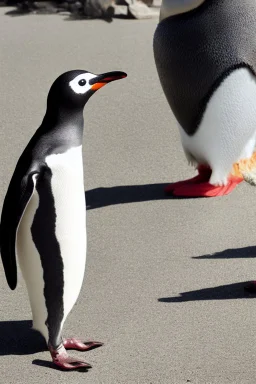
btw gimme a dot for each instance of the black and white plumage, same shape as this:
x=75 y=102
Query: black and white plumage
x=43 y=219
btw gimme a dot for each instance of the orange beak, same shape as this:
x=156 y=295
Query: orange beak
x=97 y=86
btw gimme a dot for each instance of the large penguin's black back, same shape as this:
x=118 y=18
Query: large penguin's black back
x=195 y=51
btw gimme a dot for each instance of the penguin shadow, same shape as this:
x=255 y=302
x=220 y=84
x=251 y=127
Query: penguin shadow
x=223 y=292
x=49 y=364
x=236 y=253
x=243 y=290
x=103 y=197
x=18 y=338
x=18 y=12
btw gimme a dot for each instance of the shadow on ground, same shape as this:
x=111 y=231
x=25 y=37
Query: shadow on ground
x=103 y=197
x=76 y=16
x=18 y=338
x=222 y=292
x=49 y=364
x=17 y=12
x=236 y=253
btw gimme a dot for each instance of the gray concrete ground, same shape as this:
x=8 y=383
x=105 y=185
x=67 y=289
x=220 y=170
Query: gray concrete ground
x=194 y=255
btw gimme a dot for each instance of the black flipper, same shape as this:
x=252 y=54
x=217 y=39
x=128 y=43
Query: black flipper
x=17 y=197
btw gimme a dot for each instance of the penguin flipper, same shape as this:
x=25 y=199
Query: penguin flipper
x=16 y=199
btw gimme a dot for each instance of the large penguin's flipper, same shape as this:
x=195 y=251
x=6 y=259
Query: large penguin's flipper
x=16 y=200
x=81 y=345
x=206 y=189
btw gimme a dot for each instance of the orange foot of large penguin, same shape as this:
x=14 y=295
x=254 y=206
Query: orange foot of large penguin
x=199 y=186
x=61 y=358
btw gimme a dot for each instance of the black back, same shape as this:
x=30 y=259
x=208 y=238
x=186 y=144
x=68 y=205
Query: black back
x=195 y=51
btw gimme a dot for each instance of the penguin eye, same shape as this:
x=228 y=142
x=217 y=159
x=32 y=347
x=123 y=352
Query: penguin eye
x=82 y=82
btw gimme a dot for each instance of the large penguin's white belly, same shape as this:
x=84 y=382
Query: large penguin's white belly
x=227 y=132
x=69 y=200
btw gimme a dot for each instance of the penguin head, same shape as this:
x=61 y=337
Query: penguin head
x=72 y=89
x=176 y=7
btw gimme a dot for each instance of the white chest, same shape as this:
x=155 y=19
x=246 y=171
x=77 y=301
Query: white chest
x=69 y=200
x=67 y=189
x=68 y=192
x=67 y=174
x=67 y=186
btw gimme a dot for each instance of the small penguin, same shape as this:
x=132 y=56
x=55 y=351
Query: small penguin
x=43 y=217
x=205 y=54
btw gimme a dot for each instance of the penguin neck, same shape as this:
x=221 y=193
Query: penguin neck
x=177 y=7
x=69 y=121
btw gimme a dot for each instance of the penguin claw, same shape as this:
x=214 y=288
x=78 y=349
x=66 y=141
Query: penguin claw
x=61 y=358
x=79 y=345
x=206 y=189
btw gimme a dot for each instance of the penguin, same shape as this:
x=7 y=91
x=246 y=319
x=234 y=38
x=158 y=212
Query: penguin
x=205 y=55
x=43 y=220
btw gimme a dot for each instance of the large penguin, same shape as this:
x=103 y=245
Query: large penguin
x=205 y=54
x=43 y=217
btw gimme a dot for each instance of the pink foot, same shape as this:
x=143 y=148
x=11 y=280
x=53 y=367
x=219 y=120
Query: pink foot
x=81 y=345
x=61 y=358
x=204 y=174
x=206 y=189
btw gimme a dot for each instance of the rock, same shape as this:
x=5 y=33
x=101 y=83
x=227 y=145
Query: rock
x=139 y=10
x=106 y=9
x=121 y=10
x=149 y=3
x=99 y=8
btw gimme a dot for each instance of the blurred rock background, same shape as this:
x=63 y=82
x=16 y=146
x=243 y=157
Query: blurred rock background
x=106 y=9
